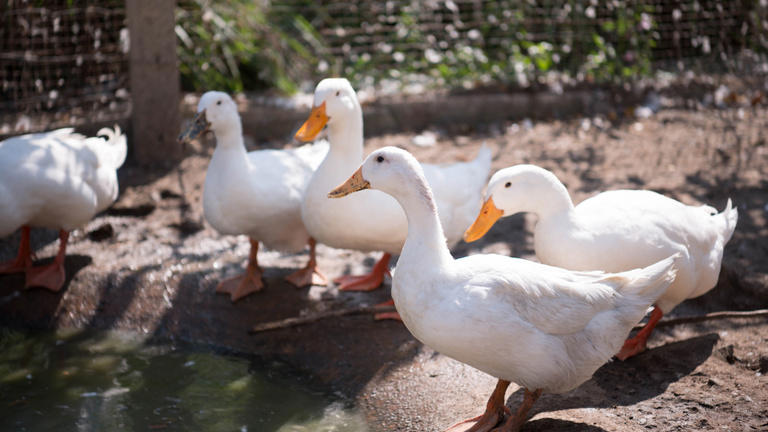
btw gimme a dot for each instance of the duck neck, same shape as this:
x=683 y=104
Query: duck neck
x=425 y=243
x=230 y=138
x=551 y=201
x=346 y=137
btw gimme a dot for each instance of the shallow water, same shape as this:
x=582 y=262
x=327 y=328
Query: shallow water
x=114 y=381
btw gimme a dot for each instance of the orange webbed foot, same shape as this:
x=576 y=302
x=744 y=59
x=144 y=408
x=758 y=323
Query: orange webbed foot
x=387 y=315
x=359 y=283
x=482 y=423
x=307 y=277
x=494 y=412
x=241 y=286
x=23 y=260
x=368 y=282
x=50 y=277
x=637 y=344
x=632 y=347
x=310 y=274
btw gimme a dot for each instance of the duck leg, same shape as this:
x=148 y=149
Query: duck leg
x=368 y=282
x=515 y=422
x=387 y=315
x=23 y=259
x=51 y=276
x=494 y=411
x=250 y=282
x=636 y=345
x=310 y=274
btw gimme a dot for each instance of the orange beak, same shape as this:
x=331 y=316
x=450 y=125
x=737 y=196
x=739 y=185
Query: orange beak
x=489 y=214
x=353 y=184
x=314 y=124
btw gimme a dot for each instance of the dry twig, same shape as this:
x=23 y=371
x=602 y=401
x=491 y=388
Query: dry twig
x=297 y=321
x=708 y=317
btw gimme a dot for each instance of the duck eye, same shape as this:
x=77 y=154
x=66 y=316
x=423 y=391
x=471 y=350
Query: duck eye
x=218 y=103
x=380 y=159
x=338 y=93
x=508 y=184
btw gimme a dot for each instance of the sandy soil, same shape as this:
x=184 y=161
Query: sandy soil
x=150 y=263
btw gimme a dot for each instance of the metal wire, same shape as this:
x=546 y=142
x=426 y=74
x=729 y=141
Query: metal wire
x=65 y=62
x=706 y=33
x=62 y=62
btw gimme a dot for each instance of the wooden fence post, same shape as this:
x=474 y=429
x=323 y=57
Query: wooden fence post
x=154 y=76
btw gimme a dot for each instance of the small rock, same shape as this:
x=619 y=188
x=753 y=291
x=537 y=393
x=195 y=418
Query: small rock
x=102 y=233
x=721 y=94
x=425 y=139
x=714 y=382
x=643 y=112
x=140 y=210
x=527 y=124
x=316 y=293
x=169 y=194
x=726 y=353
x=187 y=227
x=763 y=364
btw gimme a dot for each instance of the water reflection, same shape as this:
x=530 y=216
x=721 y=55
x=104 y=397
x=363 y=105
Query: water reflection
x=113 y=381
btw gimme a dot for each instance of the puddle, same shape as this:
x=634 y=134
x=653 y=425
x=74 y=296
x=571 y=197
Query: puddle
x=116 y=381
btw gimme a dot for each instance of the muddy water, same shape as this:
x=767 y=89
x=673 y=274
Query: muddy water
x=109 y=381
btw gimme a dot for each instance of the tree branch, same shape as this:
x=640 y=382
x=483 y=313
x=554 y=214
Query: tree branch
x=708 y=317
x=297 y=321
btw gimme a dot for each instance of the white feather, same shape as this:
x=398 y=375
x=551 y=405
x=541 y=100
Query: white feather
x=371 y=220
x=58 y=179
x=256 y=193
x=618 y=230
x=542 y=327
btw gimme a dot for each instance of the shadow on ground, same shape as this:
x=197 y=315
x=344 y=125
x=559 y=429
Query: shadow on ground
x=618 y=383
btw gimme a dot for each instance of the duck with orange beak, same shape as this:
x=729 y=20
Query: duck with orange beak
x=613 y=231
x=371 y=220
x=544 y=328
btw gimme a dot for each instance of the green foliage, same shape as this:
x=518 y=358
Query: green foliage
x=240 y=45
x=575 y=44
x=233 y=46
x=622 y=45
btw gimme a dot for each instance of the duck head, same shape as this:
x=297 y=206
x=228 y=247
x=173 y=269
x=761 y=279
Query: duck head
x=217 y=112
x=520 y=188
x=335 y=101
x=388 y=169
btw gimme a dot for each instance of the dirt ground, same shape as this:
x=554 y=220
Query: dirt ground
x=151 y=263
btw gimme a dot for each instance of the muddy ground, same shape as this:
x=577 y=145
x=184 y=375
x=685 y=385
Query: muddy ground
x=150 y=264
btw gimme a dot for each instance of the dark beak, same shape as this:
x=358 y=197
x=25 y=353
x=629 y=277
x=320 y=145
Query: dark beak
x=198 y=126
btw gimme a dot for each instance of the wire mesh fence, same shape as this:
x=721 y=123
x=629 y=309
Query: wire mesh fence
x=65 y=61
x=62 y=62
x=520 y=42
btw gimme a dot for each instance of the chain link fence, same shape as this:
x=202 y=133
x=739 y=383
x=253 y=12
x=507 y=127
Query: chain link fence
x=62 y=62
x=65 y=62
x=522 y=42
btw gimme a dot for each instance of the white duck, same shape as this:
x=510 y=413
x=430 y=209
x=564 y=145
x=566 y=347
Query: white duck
x=57 y=180
x=614 y=231
x=545 y=328
x=372 y=221
x=254 y=193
